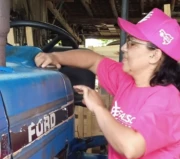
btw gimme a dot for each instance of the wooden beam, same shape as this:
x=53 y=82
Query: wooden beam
x=173 y=4
x=102 y=37
x=79 y=124
x=113 y=6
x=62 y=20
x=142 y=6
x=88 y=9
x=167 y=9
x=68 y=0
x=10 y=37
x=78 y=20
x=99 y=21
x=29 y=36
x=44 y=13
x=96 y=21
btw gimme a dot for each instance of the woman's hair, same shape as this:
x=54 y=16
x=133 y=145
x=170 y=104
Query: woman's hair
x=167 y=73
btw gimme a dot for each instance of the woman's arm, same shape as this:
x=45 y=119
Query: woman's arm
x=77 y=58
x=124 y=140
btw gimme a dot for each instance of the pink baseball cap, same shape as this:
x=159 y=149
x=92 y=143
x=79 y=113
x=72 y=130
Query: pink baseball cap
x=157 y=28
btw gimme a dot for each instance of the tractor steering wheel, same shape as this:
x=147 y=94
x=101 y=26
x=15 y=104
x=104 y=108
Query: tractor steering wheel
x=76 y=75
x=59 y=31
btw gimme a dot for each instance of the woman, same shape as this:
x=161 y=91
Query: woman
x=145 y=117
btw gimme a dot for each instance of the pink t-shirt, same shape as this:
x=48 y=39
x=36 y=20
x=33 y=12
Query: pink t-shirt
x=152 y=111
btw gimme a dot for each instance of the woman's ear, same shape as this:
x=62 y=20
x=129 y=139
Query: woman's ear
x=155 y=56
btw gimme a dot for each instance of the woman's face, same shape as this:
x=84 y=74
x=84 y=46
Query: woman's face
x=136 y=56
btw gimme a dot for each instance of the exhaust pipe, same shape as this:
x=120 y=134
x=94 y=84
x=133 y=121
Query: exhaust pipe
x=4 y=28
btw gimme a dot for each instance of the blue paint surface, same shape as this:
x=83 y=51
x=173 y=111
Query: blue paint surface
x=28 y=94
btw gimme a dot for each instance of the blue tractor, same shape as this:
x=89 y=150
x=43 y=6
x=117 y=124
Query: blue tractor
x=37 y=105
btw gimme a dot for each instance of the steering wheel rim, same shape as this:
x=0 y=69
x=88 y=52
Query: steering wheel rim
x=47 y=26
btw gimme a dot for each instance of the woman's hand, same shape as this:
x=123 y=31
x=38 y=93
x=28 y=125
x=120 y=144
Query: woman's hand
x=44 y=60
x=91 y=98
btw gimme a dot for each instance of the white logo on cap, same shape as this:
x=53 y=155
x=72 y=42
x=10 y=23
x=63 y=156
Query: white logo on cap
x=146 y=17
x=167 y=38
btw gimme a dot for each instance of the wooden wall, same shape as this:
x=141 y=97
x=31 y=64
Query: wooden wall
x=33 y=9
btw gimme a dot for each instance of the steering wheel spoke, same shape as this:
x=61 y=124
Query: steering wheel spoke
x=51 y=43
